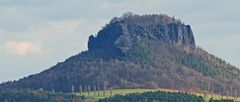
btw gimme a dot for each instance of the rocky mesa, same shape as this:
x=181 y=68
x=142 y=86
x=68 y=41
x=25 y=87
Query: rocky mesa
x=138 y=51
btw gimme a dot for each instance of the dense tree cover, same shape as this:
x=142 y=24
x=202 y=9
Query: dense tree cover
x=154 y=52
x=155 y=97
x=27 y=95
x=223 y=100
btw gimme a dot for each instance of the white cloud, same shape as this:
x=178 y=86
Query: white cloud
x=22 y=47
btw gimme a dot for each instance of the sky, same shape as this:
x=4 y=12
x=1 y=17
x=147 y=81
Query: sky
x=37 y=34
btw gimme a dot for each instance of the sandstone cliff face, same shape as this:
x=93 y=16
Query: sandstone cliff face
x=120 y=33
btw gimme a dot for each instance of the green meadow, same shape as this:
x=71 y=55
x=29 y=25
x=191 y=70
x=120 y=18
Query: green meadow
x=108 y=93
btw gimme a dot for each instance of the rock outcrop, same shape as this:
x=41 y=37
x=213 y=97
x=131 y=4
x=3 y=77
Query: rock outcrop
x=121 y=32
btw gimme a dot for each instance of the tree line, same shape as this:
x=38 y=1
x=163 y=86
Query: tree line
x=160 y=97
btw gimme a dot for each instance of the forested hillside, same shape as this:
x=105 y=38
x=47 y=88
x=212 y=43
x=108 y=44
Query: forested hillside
x=154 y=97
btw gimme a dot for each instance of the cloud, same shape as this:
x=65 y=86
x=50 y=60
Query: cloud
x=22 y=48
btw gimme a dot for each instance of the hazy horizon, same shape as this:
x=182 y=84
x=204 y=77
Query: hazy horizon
x=37 y=34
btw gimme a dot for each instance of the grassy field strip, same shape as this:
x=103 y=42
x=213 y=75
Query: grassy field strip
x=215 y=96
x=100 y=94
x=206 y=97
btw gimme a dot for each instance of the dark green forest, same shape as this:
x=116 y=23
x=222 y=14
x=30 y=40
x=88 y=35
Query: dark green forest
x=27 y=95
x=159 y=97
x=223 y=100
